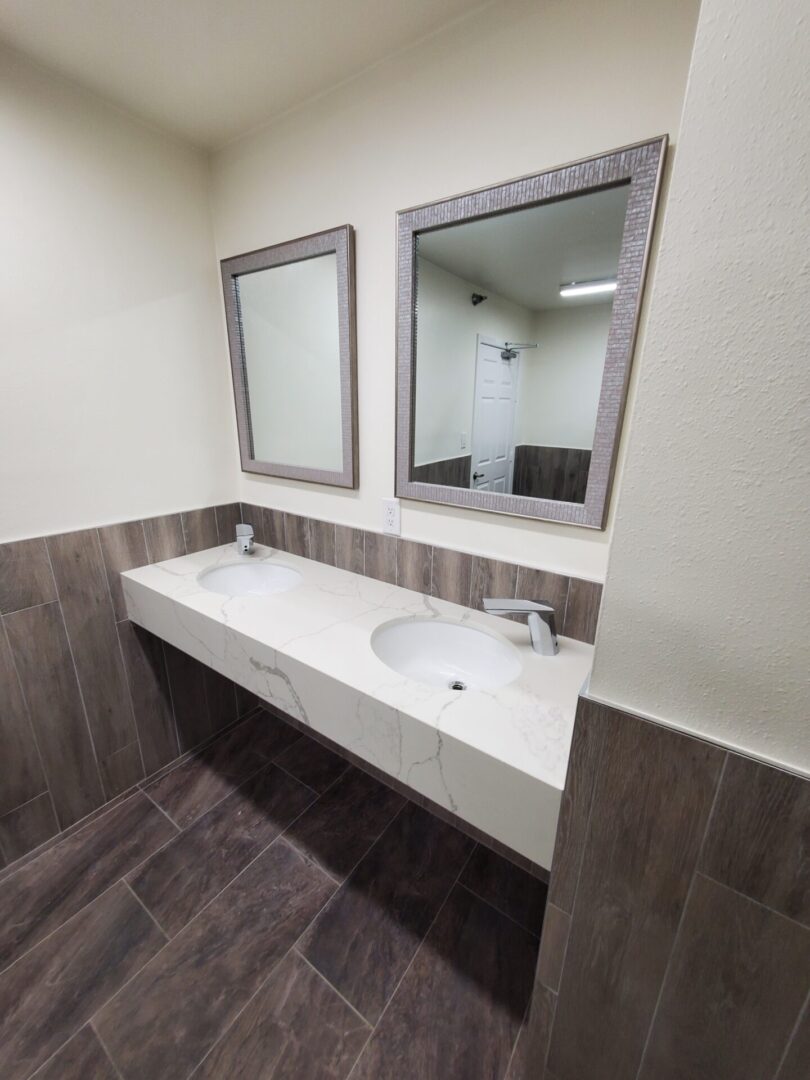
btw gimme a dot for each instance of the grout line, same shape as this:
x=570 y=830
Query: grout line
x=30 y=607
x=309 y=858
x=292 y=776
x=323 y=978
x=127 y=885
x=500 y=911
x=165 y=813
x=752 y=900
x=520 y=1031
x=803 y=1011
x=101 y=1043
x=565 y=609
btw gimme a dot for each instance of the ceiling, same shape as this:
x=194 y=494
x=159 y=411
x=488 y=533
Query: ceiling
x=525 y=256
x=209 y=70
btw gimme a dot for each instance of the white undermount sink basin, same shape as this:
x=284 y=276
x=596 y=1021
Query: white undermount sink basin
x=446 y=654
x=249 y=579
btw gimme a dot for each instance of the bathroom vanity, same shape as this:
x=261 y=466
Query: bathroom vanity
x=452 y=703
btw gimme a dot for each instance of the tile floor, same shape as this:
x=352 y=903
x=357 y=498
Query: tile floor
x=264 y=909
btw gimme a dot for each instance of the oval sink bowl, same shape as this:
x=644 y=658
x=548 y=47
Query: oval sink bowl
x=446 y=654
x=249 y=579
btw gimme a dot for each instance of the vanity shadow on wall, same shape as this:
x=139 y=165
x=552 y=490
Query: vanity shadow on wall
x=517 y=314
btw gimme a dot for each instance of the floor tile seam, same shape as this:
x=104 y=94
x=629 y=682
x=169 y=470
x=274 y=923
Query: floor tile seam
x=500 y=911
x=103 y=1046
x=151 y=915
x=294 y=948
x=520 y=1030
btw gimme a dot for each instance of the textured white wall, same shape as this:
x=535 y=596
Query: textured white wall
x=115 y=398
x=705 y=615
x=517 y=87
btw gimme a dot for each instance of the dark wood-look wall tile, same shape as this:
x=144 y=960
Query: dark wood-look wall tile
x=228 y=516
x=220 y=696
x=57 y=884
x=254 y=516
x=381 y=557
x=493 y=579
x=365 y=939
x=575 y=806
x=187 y=682
x=48 y=679
x=478 y=966
x=531 y=1049
x=506 y=887
x=582 y=610
x=645 y=832
x=148 y=680
x=81 y=579
x=350 y=549
x=295 y=1027
x=246 y=701
x=180 y=879
x=759 y=837
x=339 y=829
x=164 y=537
x=200 y=529
x=556 y=928
x=27 y=826
x=414 y=566
x=22 y=775
x=25 y=575
x=52 y=991
x=797 y=1055
x=273 y=522
x=169 y=1016
x=313 y=764
x=123 y=548
x=546 y=587
x=296 y=535
x=83 y=1058
x=452 y=575
x=734 y=990
x=122 y=770
x=322 y=541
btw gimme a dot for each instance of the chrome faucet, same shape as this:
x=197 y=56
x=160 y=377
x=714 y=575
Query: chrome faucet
x=542 y=624
x=244 y=539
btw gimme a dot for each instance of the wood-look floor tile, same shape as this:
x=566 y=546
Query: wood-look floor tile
x=83 y=1058
x=187 y=682
x=508 y=888
x=27 y=826
x=794 y=1065
x=458 y=1011
x=23 y=778
x=202 y=780
x=295 y=1028
x=124 y=548
x=54 y=989
x=531 y=1048
x=169 y=1016
x=322 y=541
x=180 y=879
x=734 y=990
x=343 y=824
x=414 y=566
x=48 y=679
x=148 y=680
x=381 y=557
x=452 y=575
x=50 y=889
x=84 y=593
x=200 y=529
x=228 y=516
x=365 y=939
x=25 y=575
x=313 y=764
x=350 y=549
x=164 y=537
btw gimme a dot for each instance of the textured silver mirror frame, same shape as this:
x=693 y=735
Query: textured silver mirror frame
x=642 y=165
x=341 y=242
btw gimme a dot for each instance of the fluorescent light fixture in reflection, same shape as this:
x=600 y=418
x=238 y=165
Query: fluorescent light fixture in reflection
x=588 y=288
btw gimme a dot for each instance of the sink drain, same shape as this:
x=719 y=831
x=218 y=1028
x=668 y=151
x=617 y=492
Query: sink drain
x=457 y=684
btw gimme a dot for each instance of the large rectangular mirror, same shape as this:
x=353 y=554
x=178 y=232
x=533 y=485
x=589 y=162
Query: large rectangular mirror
x=291 y=330
x=517 y=317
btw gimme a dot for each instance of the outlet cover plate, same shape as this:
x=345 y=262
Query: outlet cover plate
x=391 y=522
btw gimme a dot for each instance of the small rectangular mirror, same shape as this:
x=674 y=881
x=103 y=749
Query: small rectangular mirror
x=518 y=308
x=291 y=329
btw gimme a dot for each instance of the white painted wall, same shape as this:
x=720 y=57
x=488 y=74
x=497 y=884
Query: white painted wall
x=292 y=354
x=516 y=87
x=115 y=398
x=446 y=343
x=560 y=380
x=705 y=615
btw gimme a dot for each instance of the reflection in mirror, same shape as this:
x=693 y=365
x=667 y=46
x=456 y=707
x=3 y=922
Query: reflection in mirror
x=513 y=314
x=290 y=311
x=517 y=308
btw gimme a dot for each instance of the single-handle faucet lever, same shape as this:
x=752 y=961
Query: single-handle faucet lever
x=542 y=624
x=244 y=539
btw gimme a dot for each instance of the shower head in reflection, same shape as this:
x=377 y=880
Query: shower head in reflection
x=512 y=348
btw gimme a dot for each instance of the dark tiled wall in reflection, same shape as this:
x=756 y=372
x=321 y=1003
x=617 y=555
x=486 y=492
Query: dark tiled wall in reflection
x=676 y=940
x=89 y=702
x=551 y=472
x=451 y=575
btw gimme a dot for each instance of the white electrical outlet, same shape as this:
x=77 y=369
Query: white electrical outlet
x=391 y=516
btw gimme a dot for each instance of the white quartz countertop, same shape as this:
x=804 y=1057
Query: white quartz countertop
x=308 y=651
